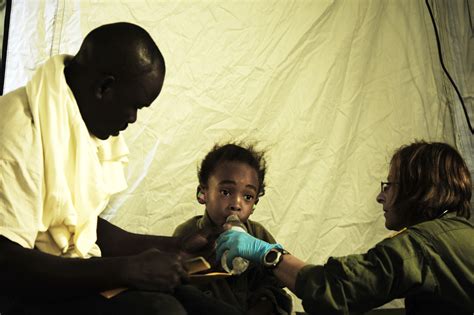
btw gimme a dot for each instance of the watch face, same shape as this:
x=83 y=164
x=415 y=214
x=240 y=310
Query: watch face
x=271 y=257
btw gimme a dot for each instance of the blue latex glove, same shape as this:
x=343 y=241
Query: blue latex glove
x=242 y=245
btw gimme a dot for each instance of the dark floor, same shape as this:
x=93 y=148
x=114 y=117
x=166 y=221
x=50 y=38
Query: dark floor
x=386 y=311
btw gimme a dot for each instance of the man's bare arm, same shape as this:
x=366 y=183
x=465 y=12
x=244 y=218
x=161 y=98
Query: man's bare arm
x=114 y=241
x=31 y=272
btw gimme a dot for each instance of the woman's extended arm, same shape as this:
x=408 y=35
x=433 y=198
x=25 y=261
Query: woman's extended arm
x=287 y=270
x=254 y=249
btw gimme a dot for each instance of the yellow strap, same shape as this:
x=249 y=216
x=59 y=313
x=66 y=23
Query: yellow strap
x=397 y=233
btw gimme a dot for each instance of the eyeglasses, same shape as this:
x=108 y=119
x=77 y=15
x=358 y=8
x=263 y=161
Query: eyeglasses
x=385 y=185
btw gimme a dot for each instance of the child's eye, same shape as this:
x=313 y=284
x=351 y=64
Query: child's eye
x=248 y=197
x=225 y=192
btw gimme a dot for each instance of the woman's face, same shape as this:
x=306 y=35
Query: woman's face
x=394 y=218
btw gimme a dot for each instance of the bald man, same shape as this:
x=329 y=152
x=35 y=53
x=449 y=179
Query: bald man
x=61 y=158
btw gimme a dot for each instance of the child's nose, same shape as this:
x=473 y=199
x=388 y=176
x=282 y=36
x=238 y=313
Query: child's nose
x=235 y=207
x=235 y=204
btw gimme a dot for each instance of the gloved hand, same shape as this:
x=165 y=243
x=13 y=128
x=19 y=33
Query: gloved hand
x=242 y=245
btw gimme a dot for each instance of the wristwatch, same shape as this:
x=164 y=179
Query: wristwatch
x=273 y=257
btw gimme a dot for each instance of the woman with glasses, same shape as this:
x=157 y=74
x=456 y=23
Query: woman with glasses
x=430 y=262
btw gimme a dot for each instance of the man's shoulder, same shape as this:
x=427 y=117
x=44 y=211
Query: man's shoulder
x=17 y=127
x=14 y=109
x=14 y=103
x=15 y=93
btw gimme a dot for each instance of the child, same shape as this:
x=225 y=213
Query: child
x=231 y=181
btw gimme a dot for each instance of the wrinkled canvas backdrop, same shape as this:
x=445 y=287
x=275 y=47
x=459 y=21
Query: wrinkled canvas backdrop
x=328 y=88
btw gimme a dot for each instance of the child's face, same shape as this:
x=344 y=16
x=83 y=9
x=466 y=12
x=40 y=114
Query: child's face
x=232 y=188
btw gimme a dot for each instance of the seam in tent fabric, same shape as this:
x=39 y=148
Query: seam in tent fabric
x=440 y=54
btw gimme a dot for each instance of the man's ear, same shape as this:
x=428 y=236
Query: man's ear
x=201 y=195
x=103 y=86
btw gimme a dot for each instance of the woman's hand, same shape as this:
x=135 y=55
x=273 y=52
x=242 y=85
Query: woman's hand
x=243 y=245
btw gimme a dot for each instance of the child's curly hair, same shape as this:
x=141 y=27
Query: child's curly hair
x=237 y=152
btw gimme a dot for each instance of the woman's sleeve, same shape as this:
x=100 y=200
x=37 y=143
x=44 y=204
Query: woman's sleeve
x=358 y=283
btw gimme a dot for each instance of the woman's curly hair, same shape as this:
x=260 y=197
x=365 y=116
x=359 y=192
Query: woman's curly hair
x=432 y=178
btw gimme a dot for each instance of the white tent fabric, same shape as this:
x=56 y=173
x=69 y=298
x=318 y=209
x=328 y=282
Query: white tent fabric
x=330 y=88
x=455 y=24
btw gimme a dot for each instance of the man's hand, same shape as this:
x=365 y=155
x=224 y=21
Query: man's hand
x=155 y=270
x=242 y=245
x=200 y=243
